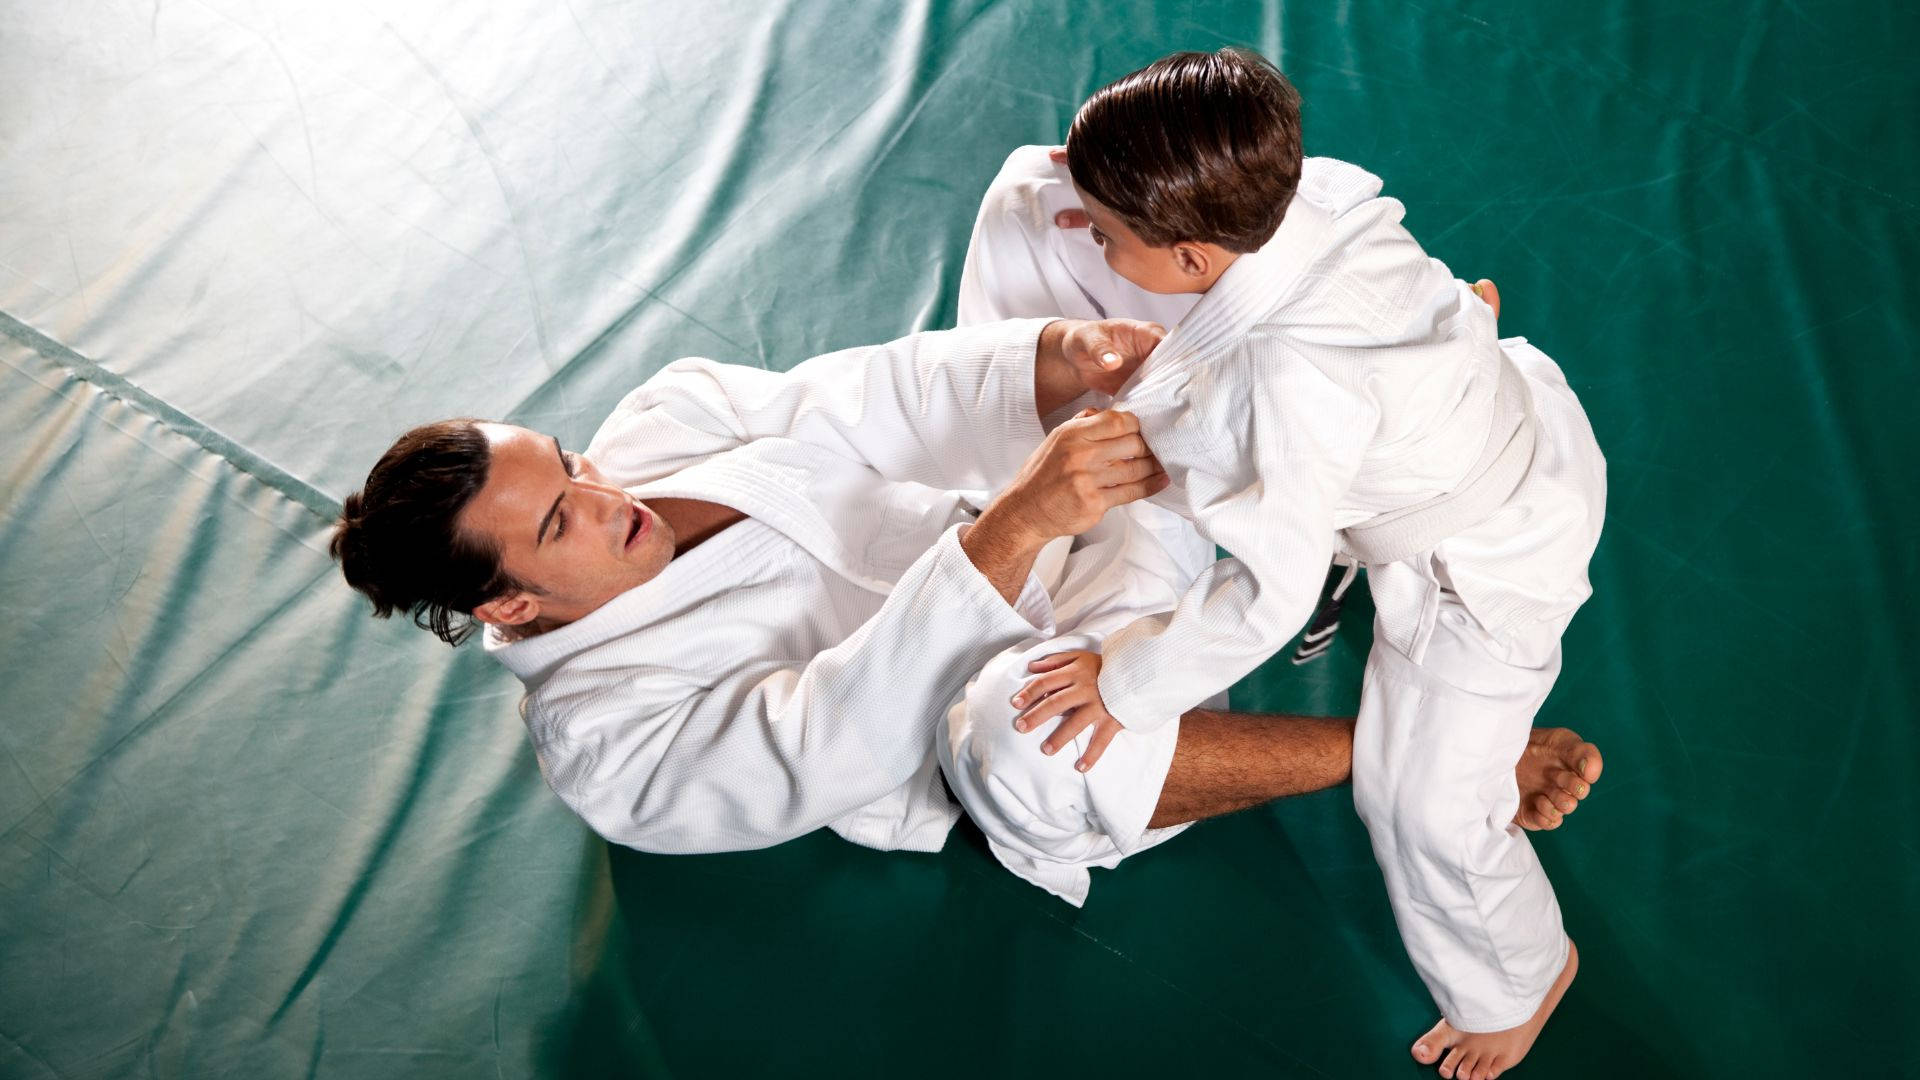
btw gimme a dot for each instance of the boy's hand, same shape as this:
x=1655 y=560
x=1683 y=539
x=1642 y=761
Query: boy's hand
x=1105 y=354
x=1068 y=689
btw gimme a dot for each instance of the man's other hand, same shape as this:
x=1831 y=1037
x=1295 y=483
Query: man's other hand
x=1068 y=687
x=1105 y=354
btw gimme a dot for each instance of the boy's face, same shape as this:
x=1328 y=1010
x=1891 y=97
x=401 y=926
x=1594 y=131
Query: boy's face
x=1172 y=269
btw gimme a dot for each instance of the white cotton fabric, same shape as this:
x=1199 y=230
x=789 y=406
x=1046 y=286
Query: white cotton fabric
x=791 y=671
x=1336 y=375
x=1044 y=820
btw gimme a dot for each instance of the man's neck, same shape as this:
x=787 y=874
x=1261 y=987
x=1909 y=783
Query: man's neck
x=694 y=521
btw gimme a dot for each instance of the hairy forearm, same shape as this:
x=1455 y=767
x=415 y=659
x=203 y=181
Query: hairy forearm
x=1055 y=383
x=1001 y=550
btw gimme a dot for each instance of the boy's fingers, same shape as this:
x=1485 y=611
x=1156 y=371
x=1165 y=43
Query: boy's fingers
x=1103 y=733
x=1070 y=725
x=1053 y=705
x=1033 y=690
x=1058 y=154
x=1041 y=687
x=1072 y=218
x=1052 y=661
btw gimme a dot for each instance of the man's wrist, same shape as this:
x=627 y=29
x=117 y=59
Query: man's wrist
x=1055 y=382
x=1002 y=549
x=1004 y=530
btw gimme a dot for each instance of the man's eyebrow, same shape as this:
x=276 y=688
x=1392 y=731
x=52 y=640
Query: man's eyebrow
x=555 y=508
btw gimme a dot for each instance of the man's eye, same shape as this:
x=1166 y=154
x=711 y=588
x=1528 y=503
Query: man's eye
x=573 y=464
x=1099 y=237
x=560 y=527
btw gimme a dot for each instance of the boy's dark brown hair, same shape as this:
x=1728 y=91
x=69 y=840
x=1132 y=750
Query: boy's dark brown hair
x=1194 y=147
x=398 y=539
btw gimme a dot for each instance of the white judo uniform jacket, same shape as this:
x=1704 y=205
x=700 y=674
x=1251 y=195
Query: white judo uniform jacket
x=1340 y=390
x=791 y=671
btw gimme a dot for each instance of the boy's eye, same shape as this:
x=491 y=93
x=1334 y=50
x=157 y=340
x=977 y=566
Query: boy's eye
x=1099 y=237
x=560 y=527
x=573 y=463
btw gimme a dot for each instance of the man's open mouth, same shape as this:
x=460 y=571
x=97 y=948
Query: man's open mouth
x=637 y=526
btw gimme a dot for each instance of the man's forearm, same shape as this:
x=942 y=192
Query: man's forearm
x=1001 y=550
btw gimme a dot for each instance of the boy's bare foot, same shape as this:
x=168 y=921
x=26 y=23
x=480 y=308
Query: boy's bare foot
x=1556 y=771
x=1485 y=290
x=1484 y=1055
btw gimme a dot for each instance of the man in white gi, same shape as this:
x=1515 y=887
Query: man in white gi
x=746 y=610
x=1334 y=389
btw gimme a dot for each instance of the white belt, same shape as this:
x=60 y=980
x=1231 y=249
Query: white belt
x=1406 y=532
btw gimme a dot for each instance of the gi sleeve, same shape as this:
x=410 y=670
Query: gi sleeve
x=773 y=750
x=952 y=409
x=1262 y=480
x=1010 y=271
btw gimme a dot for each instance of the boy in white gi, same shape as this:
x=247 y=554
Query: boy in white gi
x=1332 y=389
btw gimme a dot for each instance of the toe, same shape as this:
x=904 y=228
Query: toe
x=1451 y=1062
x=1571 y=783
x=1429 y=1046
x=1426 y=1051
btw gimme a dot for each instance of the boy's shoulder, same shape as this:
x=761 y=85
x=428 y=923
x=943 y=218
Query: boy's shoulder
x=1336 y=186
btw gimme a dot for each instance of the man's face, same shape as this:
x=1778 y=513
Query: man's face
x=1155 y=269
x=561 y=528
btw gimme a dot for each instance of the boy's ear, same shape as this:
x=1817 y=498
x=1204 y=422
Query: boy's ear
x=1194 y=260
x=514 y=609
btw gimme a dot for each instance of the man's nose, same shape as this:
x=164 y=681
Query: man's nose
x=609 y=500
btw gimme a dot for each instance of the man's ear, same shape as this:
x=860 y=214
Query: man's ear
x=1194 y=259
x=517 y=608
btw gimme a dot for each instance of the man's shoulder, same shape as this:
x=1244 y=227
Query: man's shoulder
x=609 y=681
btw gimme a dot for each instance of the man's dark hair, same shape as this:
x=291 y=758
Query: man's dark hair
x=1195 y=147
x=397 y=540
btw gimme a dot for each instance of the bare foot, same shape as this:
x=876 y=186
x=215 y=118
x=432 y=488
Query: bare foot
x=1556 y=771
x=1485 y=1055
x=1485 y=290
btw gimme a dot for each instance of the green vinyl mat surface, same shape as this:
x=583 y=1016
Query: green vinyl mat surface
x=246 y=831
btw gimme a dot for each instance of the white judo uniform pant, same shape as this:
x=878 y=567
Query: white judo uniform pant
x=1440 y=728
x=1439 y=733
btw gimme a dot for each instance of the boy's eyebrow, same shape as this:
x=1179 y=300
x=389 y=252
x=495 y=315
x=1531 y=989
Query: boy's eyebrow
x=541 y=537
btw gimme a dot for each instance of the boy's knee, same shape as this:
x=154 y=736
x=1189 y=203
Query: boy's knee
x=1011 y=196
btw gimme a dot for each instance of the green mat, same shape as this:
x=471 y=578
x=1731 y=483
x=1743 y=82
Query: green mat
x=246 y=831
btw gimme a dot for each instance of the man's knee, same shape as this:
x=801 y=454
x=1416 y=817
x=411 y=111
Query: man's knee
x=1011 y=195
